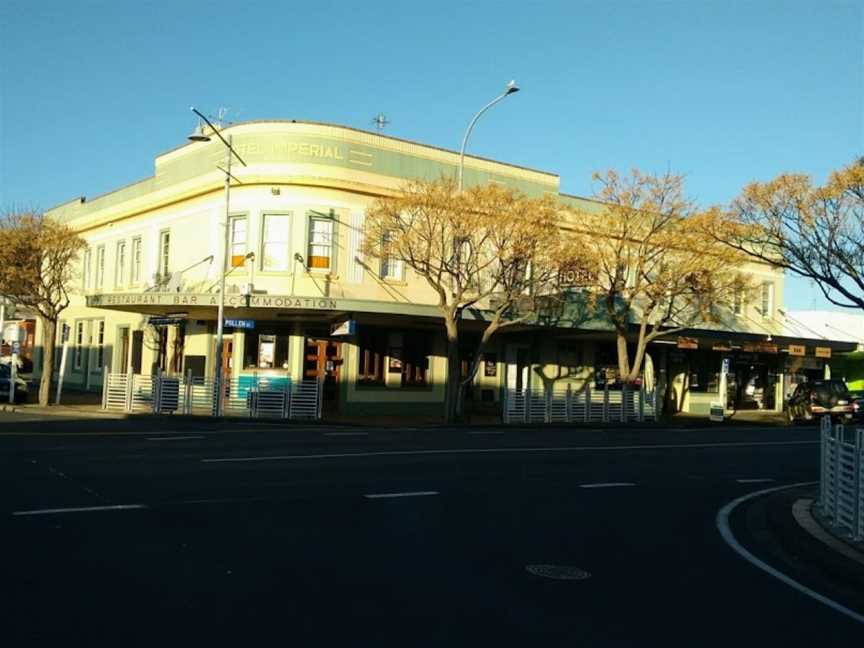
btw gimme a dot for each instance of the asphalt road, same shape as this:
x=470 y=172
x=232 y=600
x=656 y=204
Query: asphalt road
x=239 y=534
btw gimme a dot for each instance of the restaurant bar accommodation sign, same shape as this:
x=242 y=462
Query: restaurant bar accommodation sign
x=209 y=299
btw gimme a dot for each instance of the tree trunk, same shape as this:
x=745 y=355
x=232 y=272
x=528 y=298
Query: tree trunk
x=49 y=337
x=623 y=357
x=641 y=346
x=454 y=383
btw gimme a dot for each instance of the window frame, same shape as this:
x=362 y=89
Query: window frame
x=229 y=257
x=99 y=276
x=86 y=269
x=313 y=216
x=135 y=261
x=262 y=242
x=78 y=355
x=387 y=260
x=163 y=255
x=97 y=344
x=120 y=264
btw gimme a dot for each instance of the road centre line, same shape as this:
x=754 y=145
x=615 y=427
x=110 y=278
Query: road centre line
x=606 y=485
x=725 y=530
x=409 y=453
x=487 y=432
x=175 y=438
x=341 y=434
x=755 y=480
x=405 y=494
x=82 y=509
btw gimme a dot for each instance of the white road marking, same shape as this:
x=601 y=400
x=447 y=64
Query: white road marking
x=755 y=480
x=409 y=453
x=487 y=432
x=606 y=485
x=82 y=509
x=346 y=434
x=407 y=494
x=174 y=438
x=726 y=532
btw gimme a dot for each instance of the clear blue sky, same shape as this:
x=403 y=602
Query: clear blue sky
x=725 y=92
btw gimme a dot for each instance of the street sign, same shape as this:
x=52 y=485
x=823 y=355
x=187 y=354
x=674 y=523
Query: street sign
x=725 y=365
x=348 y=327
x=240 y=323
x=64 y=334
x=16 y=347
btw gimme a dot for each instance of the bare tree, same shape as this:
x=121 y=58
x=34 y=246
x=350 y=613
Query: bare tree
x=38 y=259
x=655 y=271
x=816 y=232
x=490 y=250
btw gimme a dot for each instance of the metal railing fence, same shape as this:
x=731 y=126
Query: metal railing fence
x=563 y=404
x=251 y=396
x=841 y=479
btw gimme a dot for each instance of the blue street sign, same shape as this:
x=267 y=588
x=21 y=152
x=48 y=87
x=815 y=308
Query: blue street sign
x=240 y=323
x=725 y=365
x=16 y=347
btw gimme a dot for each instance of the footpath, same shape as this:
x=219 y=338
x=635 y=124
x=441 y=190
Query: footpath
x=89 y=405
x=785 y=531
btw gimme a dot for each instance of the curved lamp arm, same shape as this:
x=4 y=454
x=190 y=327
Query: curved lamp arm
x=511 y=88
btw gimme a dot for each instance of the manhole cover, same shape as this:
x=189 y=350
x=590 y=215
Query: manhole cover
x=558 y=572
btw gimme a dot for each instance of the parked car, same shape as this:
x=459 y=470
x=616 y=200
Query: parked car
x=21 y=391
x=857 y=404
x=820 y=397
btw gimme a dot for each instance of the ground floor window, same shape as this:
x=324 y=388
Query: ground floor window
x=372 y=349
x=377 y=357
x=100 y=344
x=415 y=362
x=704 y=372
x=266 y=349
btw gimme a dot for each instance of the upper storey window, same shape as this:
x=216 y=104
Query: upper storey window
x=120 y=265
x=237 y=252
x=100 y=266
x=320 y=253
x=274 y=242
x=85 y=271
x=136 y=260
x=164 y=254
x=391 y=267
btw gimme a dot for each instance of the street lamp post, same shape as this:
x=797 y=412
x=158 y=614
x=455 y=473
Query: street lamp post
x=199 y=136
x=509 y=89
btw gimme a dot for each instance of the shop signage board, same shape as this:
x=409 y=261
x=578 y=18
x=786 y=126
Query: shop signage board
x=165 y=321
x=348 y=327
x=797 y=350
x=688 y=343
x=759 y=347
x=823 y=352
x=722 y=346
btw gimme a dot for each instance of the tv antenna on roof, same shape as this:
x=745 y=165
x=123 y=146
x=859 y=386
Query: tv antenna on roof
x=380 y=121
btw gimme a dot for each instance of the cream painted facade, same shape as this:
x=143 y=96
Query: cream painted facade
x=156 y=246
